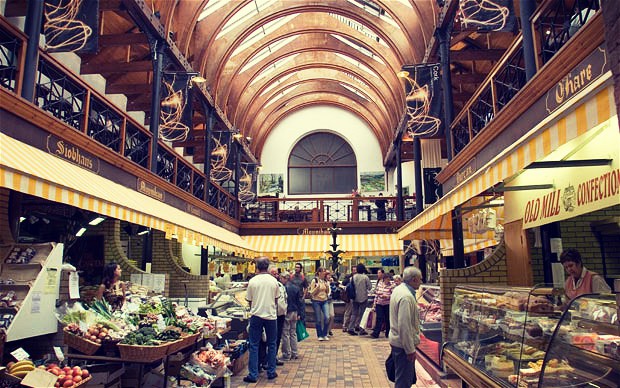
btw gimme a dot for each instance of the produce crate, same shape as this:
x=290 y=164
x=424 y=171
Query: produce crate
x=80 y=344
x=143 y=353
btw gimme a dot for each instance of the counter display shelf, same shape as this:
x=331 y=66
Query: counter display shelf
x=429 y=306
x=496 y=333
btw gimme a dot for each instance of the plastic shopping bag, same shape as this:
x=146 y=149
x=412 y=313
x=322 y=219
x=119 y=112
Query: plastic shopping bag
x=302 y=333
x=371 y=321
x=365 y=316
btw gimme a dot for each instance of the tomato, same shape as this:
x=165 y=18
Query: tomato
x=85 y=373
x=77 y=371
x=77 y=379
x=68 y=383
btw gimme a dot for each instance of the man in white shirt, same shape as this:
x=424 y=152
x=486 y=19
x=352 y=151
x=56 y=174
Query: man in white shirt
x=262 y=293
x=405 y=327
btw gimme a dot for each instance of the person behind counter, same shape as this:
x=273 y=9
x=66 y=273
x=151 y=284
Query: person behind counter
x=580 y=280
x=112 y=289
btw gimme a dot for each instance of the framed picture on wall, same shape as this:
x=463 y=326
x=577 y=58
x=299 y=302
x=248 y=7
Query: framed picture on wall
x=406 y=191
x=269 y=184
x=372 y=181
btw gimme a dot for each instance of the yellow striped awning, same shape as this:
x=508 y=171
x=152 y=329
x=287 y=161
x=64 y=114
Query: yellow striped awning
x=314 y=246
x=533 y=146
x=470 y=245
x=32 y=171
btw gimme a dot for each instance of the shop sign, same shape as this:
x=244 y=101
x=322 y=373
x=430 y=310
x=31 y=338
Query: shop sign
x=72 y=153
x=593 y=193
x=191 y=209
x=466 y=171
x=312 y=231
x=151 y=190
x=591 y=68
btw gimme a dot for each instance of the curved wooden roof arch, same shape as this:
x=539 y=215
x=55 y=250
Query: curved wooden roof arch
x=379 y=35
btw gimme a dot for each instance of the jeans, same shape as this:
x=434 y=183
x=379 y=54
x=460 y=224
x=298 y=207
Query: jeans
x=289 y=336
x=280 y=322
x=347 y=315
x=330 y=320
x=257 y=325
x=405 y=369
x=357 y=310
x=321 y=317
x=383 y=316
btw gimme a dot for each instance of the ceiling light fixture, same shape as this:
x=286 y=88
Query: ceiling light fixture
x=97 y=221
x=22 y=219
x=80 y=232
x=403 y=74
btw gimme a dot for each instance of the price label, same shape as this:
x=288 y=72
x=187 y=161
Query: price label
x=20 y=354
x=59 y=354
x=470 y=359
x=83 y=326
x=161 y=324
x=218 y=335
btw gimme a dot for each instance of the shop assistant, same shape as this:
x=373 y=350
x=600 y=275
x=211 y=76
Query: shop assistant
x=580 y=280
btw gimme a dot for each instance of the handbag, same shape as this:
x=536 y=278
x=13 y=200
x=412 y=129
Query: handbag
x=364 y=320
x=390 y=368
x=302 y=333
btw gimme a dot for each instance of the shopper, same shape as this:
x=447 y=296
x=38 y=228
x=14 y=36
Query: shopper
x=282 y=308
x=405 y=327
x=319 y=293
x=299 y=279
x=262 y=293
x=348 y=303
x=333 y=291
x=383 y=291
x=580 y=280
x=397 y=280
x=380 y=204
x=289 y=332
x=362 y=288
x=112 y=289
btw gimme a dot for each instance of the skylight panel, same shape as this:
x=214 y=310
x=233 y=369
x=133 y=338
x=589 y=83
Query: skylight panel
x=376 y=10
x=357 y=64
x=274 y=66
x=266 y=51
x=280 y=95
x=359 y=48
x=359 y=27
x=211 y=7
x=359 y=81
x=354 y=90
x=276 y=83
x=250 y=10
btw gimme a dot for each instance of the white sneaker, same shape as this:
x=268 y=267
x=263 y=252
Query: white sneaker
x=321 y=339
x=325 y=338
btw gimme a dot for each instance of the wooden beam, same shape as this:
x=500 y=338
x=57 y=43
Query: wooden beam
x=128 y=88
x=110 y=5
x=126 y=67
x=109 y=40
x=476 y=54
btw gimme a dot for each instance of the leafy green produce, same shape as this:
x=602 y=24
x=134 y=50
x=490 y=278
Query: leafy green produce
x=143 y=336
x=102 y=307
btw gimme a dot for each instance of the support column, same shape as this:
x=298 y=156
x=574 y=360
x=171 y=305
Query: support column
x=457 y=238
x=400 y=203
x=547 y=232
x=237 y=148
x=446 y=84
x=32 y=28
x=527 y=8
x=209 y=112
x=157 y=49
x=417 y=171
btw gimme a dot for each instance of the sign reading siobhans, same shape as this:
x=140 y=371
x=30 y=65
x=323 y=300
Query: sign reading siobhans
x=585 y=196
x=151 y=190
x=72 y=153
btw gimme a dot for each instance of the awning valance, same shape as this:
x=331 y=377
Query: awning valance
x=313 y=246
x=470 y=245
x=533 y=146
x=32 y=171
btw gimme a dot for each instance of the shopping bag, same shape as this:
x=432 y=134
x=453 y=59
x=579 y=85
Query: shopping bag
x=302 y=333
x=370 y=323
x=365 y=316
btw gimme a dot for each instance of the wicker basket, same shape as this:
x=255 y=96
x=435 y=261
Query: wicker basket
x=175 y=346
x=191 y=339
x=80 y=344
x=143 y=353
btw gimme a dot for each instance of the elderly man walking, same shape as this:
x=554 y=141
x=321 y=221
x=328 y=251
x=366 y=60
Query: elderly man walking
x=263 y=292
x=405 y=327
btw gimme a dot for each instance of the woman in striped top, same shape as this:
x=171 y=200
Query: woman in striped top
x=383 y=291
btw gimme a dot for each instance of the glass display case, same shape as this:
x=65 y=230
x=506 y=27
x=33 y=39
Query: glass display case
x=429 y=307
x=498 y=331
x=585 y=348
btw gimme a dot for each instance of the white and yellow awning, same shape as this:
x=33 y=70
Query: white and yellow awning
x=313 y=246
x=533 y=146
x=32 y=171
x=469 y=245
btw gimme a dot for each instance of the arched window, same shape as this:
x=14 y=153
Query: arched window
x=322 y=163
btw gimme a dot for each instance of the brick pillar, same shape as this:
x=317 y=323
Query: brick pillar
x=6 y=237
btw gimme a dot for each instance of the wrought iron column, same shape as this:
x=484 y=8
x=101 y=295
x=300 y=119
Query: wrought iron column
x=458 y=250
x=238 y=150
x=209 y=112
x=417 y=171
x=157 y=48
x=400 y=203
x=34 y=15
x=446 y=83
x=527 y=8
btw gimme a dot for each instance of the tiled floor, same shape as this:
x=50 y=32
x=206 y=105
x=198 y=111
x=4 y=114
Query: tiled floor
x=345 y=361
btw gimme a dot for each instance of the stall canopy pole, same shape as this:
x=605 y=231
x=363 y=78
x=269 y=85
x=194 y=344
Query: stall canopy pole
x=157 y=49
x=446 y=81
x=400 y=203
x=457 y=238
x=34 y=14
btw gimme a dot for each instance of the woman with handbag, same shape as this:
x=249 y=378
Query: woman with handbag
x=319 y=293
x=383 y=291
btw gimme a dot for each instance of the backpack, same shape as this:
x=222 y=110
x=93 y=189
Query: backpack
x=336 y=293
x=350 y=290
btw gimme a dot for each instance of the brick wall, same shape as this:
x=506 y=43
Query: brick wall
x=611 y=16
x=166 y=261
x=491 y=270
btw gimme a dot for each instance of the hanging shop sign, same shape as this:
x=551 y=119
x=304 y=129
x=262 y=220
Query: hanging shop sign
x=590 y=69
x=312 y=231
x=191 y=209
x=72 y=153
x=151 y=190
x=584 y=196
